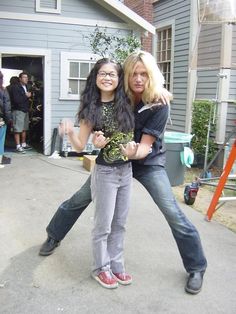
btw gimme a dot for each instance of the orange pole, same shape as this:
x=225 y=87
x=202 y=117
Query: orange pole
x=222 y=181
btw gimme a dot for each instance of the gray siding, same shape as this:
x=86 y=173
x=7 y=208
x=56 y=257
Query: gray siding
x=232 y=91
x=18 y=6
x=234 y=47
x=207 y=84
x=209 y=67
x=231 y=119
x=56 y=37
x=232 y=87
x=178 y=10
x=209 y=46
x=209 y=50
x=231 y=115
x=69 y=8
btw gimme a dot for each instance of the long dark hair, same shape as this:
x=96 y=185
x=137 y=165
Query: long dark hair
x=90 y=110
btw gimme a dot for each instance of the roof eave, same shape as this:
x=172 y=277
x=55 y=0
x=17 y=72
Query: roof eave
x=127 y=15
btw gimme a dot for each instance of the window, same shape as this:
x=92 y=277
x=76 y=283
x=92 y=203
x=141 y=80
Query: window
x=164 y=43
x=75 y=68
x=48 y=6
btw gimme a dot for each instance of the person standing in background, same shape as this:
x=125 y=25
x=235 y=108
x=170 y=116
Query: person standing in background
x=20 y=105
x=5 y=118
x=14 y=80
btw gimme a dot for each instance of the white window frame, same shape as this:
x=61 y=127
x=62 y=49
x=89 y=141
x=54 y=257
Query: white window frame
x=159 y=27
x=66 y=58
x=40 y=8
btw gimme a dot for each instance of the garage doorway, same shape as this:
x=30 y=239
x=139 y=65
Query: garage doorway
x=33 y=65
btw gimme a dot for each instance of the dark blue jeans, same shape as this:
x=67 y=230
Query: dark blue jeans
x=155 y=180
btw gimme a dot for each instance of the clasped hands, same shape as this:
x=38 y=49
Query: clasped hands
x=100 y=141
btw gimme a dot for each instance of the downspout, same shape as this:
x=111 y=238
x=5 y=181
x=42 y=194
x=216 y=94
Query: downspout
x=222 y=94
x=192 y=71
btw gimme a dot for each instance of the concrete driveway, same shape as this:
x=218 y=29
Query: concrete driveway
x=32 y=187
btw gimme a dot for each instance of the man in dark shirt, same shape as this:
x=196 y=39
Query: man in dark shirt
x=20 y=106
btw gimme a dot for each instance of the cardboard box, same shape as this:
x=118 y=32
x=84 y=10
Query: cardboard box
x=89 y=162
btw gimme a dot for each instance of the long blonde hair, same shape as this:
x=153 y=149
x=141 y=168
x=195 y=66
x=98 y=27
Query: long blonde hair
x=155 y=81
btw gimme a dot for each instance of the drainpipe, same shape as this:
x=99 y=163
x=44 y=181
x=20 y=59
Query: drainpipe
x=222 y=93
x=192 y=71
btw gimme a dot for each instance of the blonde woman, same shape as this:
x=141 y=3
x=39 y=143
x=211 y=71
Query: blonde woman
x=143 y=85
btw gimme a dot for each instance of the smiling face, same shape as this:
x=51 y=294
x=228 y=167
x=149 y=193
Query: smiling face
x=107 y=81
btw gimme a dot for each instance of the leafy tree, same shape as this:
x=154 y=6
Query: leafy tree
x=114 y=46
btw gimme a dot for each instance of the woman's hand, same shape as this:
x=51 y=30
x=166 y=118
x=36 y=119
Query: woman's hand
x=99 y=140
x=66 y=126
x=165 y=96
x=130 y=149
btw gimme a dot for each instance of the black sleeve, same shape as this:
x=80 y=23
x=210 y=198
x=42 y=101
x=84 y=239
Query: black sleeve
x=7 y=106
x=156 y=124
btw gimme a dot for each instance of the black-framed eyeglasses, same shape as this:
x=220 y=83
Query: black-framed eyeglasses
x=104 y=74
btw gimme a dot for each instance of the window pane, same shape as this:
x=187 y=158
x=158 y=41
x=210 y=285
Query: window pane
x=48 y=4
x=164 y=45
x=81 y=86
x=168 y=54
x=74 y=69
x=91 y=66
x=73 y=87
x=84 y=70
x=163 y=55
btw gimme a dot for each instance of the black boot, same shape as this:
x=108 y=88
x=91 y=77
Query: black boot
x=48 y=247
x=194 y=283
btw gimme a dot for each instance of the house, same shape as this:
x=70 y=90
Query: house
x=195 y=47
x=47 y=39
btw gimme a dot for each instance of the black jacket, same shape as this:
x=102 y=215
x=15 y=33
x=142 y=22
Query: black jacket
x=5 y=105
x=19 y=100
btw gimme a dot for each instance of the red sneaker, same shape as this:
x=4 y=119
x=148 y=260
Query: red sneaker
x=123 y=278
x=106 y=279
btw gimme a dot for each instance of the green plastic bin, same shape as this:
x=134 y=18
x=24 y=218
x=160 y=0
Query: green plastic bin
x=175 y=143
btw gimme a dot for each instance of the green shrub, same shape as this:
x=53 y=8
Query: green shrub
x=202 y=112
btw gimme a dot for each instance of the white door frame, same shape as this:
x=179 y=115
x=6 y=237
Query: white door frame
x=46 y=54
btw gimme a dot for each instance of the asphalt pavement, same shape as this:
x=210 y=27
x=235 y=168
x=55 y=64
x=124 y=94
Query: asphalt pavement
x=32 y=187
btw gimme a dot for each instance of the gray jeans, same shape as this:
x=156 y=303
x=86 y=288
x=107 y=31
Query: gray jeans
x=111 y=189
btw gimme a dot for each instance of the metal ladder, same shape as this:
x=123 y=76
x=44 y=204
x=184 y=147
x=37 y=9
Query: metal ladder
x=223 y=179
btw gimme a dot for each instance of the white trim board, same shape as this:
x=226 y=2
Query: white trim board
x=18 y=51
x=61 y=20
